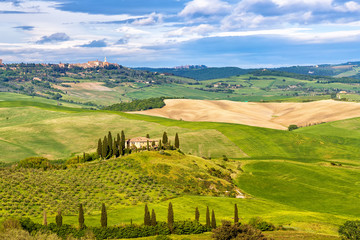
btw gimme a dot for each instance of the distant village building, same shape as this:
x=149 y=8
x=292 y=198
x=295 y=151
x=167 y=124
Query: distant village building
x=1 y=62
x=91 y=64
x=141 y=142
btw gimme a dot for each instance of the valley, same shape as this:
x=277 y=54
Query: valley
x=232 y=152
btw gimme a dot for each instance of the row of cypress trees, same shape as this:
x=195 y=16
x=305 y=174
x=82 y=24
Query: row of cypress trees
x=149 y=219
x=109 y=147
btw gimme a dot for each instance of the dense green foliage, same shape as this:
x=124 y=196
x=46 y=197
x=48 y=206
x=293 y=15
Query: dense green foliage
x=324 y=79
x=350 y=230
x=260 y=224
x=126 y=231
x=201 y=74
x=292 y=127
x=35 y=162
x=137 y=105
x=228 y=231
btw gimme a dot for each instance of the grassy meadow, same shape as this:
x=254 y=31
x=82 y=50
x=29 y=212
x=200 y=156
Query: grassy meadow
x=305 y=179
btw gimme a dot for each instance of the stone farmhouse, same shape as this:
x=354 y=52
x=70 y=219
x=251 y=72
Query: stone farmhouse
x=141 y=142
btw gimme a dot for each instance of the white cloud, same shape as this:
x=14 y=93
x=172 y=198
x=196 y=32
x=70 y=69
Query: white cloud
x=200 y=30
x=205 y=7
x=152 y=19
x=352 y=6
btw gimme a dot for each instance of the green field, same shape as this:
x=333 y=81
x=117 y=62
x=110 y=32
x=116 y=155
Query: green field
x=305 y=179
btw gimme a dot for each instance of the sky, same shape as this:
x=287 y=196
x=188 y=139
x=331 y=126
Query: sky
x=168 y=33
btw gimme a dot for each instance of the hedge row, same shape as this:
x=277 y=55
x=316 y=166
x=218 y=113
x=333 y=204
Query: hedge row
x=126 y=231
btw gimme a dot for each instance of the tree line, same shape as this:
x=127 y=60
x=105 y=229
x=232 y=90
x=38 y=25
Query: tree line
x=150 y=226
x=115 y=147
x=137 y=105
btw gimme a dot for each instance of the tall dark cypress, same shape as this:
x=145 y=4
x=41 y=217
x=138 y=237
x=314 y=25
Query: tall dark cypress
x=160 y=145
x=207 y=217
x=165 y=138
x=121 y=150
x=170 y=219
x=177 y=142
x=110 y=144
x=236 y=214
x=197 y=215
x=123 y=142
x=103 y=216
x=213 y=220
x=104 y=148
x=99 y=148
x=147 y=136
x=115 y=149
x=153 y=218
x=147 y=145
x=59 y=219
x=81 y=217
x=147 y=219
x=118 y=140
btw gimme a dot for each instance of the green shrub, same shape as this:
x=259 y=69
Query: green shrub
x=10 y=223
x=228 y=231
x=35 y=162
x=292 y=127
x=350 y=230
x=163 y=237
x=260 y=224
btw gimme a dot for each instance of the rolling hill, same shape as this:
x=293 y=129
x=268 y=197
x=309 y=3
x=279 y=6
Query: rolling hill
x=289 y=178
x=269 y=115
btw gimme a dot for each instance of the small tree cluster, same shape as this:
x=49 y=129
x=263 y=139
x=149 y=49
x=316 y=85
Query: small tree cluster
x=109 y=146
x=350 y=230
x=165 y=143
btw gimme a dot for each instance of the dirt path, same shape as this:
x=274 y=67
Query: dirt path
x=269 y=115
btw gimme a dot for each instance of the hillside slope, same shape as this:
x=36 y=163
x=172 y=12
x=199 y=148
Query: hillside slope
x=29 y=129
x=269 y=115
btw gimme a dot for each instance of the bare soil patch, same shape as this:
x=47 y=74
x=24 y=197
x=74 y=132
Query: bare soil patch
x=269 y=115
x=94 y=86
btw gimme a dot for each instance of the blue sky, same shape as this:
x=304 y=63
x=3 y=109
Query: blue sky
x=166 y=33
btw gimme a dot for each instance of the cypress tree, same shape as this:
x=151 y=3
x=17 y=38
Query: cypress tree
x=121 y=150
x=84 y=157
x=207 y=217
x=110 y=144
x=153 y=218
x=118 y=140
x=103 y=216
x=170 y=217
x=104 y=148
x=197 y=215
x=160 y=145
x=153 y=144
x=147 y=136
x=148 y=145
x=58 y=219
x=122 y=142
x=44 y=218
x=115 y=149
x=177 y=143
x=147 y=219
x=99 y=148
x=213 y=220
x=164 y=138
x=81 y=217
x=236 y=214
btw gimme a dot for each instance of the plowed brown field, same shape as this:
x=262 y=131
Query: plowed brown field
x=269 y=115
